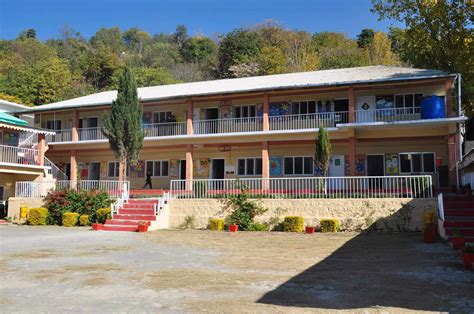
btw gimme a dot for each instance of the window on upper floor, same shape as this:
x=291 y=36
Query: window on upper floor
x=162 y=116
x=408 y=100
x=298 y=165
x=53 y=124
x=158 y=168
x=249 y=166
x=245 y=111
x=303 y=107
x=417 y=162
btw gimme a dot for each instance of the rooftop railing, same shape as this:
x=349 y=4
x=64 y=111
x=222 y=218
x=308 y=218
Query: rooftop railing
x=90 y=134
x=233 y=125
x=388 y=115
x=165 y=129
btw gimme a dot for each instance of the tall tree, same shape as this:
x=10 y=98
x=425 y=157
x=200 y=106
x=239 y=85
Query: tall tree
x=364 y=39
x=180 y=35
x=27 y=34
x=123 y=127
x=380 y=51
x=438 y=35
x=323 y=151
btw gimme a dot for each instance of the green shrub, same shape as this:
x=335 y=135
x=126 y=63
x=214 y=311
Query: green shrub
x=84 y=220
x=293 y=224
x=257 y=226
x=103 y=214
x=81 y=202
x=216 y=224
x=330 y=225
x=70 y=219
x=38 y=216
x=188 y=222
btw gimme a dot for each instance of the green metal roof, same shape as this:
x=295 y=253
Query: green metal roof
x=6 y=118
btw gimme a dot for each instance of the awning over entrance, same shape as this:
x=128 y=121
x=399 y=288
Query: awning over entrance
x=6 y=118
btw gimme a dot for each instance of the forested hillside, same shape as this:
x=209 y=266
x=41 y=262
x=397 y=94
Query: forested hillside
x=37 y=72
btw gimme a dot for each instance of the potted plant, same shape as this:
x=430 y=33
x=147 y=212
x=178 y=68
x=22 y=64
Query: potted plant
x=97 y=226
x=143 y=226
x=309 y=229
x=457 y=240
x=468 y=256
x=429 y=234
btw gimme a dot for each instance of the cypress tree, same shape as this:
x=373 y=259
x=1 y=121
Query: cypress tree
x=123 y=126
x=323 y=151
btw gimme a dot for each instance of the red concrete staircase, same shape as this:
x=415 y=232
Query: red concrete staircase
x=459 y=215
x=133 y=211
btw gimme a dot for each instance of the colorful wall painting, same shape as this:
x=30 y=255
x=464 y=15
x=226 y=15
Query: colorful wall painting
x=174 y=168
x=10 y=138
x=391 y=163
x=347 y=164
x=226 y=112
x=360 y=165
x=384 y=101
x=103 y=169
x=259 y=110
x=138 y=170
x=280 y=109
x=201 y=168
x=83 y=170
x=276 y=166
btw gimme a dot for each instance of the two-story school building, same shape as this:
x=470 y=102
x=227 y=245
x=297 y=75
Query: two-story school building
x=382 y=121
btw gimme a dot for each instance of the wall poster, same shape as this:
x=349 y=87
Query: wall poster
x=276 y=166
x=201 y=168
x=138 y=170
x=229 y=169
x=391 y=163
x=103 y=169
x=174 y=168
x=360 y=165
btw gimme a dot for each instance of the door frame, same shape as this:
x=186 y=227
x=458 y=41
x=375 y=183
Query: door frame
x=205 y=113
x=211 y=172
x=366 y=119
x=343 y=165
x=180 y=169
x=367 y=163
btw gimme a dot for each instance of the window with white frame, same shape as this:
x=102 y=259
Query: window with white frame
x=162 y=116
x=158 y=168
x=245 y=111
x=113 y=169
x=53 y=124
x=298 y=165
x=408 y=100
x=249 y=166
x=417 y=162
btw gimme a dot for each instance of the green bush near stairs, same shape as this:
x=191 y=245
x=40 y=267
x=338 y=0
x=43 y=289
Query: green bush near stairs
x=216 y=224
x=70 y=219
x=330 y=225
x=84 y=220
x=103 y=214
x=37 y=216
x=293 y=224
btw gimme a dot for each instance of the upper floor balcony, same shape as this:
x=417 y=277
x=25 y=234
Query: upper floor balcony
x=289 y=122
x=19 y=155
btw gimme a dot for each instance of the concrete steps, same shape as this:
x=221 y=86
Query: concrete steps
x=132 y=212
x=459 y=216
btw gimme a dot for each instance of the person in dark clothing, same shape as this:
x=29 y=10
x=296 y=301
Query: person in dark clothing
x=148 y=180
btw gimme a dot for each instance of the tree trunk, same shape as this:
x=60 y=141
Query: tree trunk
x=122 y=170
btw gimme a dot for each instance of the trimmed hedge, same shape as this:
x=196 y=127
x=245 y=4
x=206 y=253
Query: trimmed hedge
x=38 y=216
x=257 y=226
x=330 y=225
x=293 y=224
x=103 y=214
x=84 y=220
x=70 y=219
x=216 y=224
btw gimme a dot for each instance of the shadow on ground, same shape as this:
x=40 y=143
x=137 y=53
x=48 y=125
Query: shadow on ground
x=382 y=270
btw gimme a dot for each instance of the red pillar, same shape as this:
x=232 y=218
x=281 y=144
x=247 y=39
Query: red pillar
x=452 y=158
x=189 y=119
x=73 y=175
x=265 y=166
x=41 y=149
x=75 y=126
x=351 y=105
x=352 y=156
x=266 y=109
x=189 y=166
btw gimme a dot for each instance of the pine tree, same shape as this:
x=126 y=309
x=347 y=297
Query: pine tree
x=123 y=126
x=323 y=151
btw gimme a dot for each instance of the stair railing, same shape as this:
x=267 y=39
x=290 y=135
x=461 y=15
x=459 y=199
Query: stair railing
x=162 y=201
x=57 y=173
x=28 y=140
x=440 y=207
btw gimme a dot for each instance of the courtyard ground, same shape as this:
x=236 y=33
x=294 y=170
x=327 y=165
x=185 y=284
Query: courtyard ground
x=55 y=269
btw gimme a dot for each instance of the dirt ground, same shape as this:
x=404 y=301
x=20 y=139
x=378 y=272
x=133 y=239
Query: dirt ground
x=56 y=269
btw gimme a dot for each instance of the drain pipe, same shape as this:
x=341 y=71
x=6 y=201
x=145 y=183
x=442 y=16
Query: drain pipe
x=458 y=78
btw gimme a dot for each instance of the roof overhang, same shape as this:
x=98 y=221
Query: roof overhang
x=26 y=129
x=410 y=123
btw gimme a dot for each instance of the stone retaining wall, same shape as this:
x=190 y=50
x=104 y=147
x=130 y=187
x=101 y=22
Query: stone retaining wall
x=354 y=214
x=14 y=204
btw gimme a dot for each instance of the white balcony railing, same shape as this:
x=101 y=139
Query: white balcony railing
x=235 y=125
x=19 y=155
x=90 y=134
x=388 y=115
x=165 y=129
x=309 y=187
x=308 y=121
x=63 y=135
x=115 y=189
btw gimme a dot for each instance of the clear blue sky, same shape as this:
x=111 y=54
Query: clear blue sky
x=209 y=17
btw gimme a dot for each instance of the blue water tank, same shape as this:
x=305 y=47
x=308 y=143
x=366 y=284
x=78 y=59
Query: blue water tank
x=433 y=107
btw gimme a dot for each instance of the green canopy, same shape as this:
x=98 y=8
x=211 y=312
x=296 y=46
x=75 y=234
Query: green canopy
x=6 y=118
